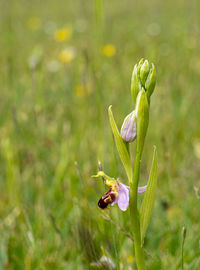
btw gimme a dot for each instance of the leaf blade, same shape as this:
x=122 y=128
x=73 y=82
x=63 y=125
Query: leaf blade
x=149 y=197
x=121 y=145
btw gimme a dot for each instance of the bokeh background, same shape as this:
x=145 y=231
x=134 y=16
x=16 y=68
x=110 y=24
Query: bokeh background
x=62 y=63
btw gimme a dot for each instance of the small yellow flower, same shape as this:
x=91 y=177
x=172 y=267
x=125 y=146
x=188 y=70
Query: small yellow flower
x=109 y=50
x=82 y=90
x=34 y=23
x=67 y=55
x=130 y=259
x=62 y=34
x=79 y=91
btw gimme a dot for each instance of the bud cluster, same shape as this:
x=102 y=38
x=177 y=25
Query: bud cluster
x=143 y=82
x=143 y=76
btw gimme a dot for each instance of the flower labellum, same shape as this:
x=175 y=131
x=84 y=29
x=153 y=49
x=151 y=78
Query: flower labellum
x=128 y=129
x=107 y=199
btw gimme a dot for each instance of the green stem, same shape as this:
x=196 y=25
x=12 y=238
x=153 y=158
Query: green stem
x=182 y=253
x=182 y=262
x=135 y=221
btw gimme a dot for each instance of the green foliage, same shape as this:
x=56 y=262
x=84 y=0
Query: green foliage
x=121 y=145
x=149 y=197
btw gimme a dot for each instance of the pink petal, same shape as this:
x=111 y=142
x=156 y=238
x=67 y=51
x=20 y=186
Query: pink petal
x=142 y=189
x=123 y=197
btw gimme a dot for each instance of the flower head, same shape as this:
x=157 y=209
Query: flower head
x=83 y=89
x=62 y=34
x=118 y=193
x=109 y=50
x=67 y=55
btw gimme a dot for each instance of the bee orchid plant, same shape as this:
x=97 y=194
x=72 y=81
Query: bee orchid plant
x=134 y=128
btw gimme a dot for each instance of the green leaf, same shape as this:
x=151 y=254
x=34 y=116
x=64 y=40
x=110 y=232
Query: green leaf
x=149 y=197
x=121 y=145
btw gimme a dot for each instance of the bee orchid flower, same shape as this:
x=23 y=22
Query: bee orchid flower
x=117 y=193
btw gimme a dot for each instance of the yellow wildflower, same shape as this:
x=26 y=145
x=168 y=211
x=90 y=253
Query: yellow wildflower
x=62 y=34
x=67 y=55
x=79 y=91
x=109 y=50
x=130 y=259
x=34 y=23
x=82 y=90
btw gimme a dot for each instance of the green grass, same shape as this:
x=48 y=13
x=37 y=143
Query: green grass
x=51 y=139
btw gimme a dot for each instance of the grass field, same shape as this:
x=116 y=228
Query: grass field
x=62 y=63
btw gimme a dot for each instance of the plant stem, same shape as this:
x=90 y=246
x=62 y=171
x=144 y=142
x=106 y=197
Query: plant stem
x=182 y=252
x=182 y=246
x=135 y=221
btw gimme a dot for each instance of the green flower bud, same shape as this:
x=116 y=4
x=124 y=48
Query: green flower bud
x=151 y=81
x=141 y=62
x=143 y=76
x=135 y=84
x=128 y=129
x=138 y=72
x=142 y=113
x=144 y=71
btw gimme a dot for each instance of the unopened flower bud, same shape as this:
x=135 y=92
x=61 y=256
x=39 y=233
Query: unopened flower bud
x=151 y=81
x=128 y=129
x=143 y=76
x=144 y=71
x=135 y=84
x=141 y=62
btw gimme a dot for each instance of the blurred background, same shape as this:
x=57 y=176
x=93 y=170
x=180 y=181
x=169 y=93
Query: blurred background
x=62 y=63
